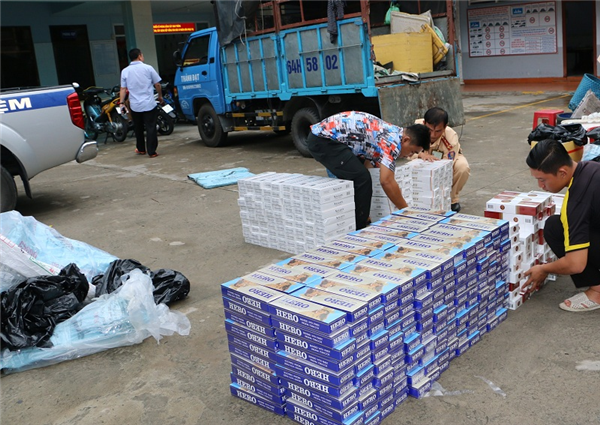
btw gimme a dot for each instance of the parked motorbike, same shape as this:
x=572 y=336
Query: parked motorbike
x=165 y=122
x=102 y=115
x=169 y=99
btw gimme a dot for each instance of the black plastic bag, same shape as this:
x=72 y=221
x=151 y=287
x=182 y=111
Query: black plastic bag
x=32 y=309
x=169 y=285
x=563 y=133
x=594 y=134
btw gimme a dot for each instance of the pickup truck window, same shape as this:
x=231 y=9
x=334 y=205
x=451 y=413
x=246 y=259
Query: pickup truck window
x=197 y=51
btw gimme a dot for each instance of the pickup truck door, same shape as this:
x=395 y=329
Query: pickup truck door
x=200 y=76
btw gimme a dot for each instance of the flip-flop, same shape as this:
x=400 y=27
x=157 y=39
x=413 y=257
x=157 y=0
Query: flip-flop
x=579 y=302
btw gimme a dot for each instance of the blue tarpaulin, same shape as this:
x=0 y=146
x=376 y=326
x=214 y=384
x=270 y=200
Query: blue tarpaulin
x=211 y=179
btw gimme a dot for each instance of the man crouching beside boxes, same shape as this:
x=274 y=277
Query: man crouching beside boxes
x=445 y=145
x=574 y=236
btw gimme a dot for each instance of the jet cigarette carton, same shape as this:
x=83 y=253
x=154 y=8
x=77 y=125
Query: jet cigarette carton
x=341 y=351
x=356 y=309
x=297 y=270
x=310 y=335
x=304 y=415
x=256 y=296
x=516 y=206
x=251 y=397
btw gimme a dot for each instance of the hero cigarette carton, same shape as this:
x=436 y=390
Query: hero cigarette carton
x=390 y=231
x=237 y=352
x=325 y=260
x=323 y=362
x=405 y=283
x=255 y=369
x=260 y=278
x=418 y=274
x=257 y=327
x=353 y=248
x=251 y=397
x=377 y=236
x=411 y=244
x=310 y=335
x=249 y=377
x=259 y=390
x=297 y=270
x=247 y=312
x=256 y=296
x=402 y=226
x=495 y=230
x=287 y=375
x=306 y=416
x=328 y=375
x=243 y=336
x=432 y=269
x=340 y=402
x=364 y=294
x=339 y=352
x=388 y=291
x=355 y=309
x=424 y=214
x=355 y=238
x=334 y=414
x=459 y=217
x=406 y=220
x=458 y=232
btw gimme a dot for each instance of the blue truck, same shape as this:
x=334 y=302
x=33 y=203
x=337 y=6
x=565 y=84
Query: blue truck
x=285 y=79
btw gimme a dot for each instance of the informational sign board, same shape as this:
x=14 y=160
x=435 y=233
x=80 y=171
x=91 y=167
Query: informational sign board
x=522 y=29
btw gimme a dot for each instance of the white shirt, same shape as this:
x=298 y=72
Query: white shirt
x=139 y=79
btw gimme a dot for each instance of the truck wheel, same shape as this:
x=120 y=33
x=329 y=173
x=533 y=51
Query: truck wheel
x=301 y=123
x=9 y=191
x=210 y=128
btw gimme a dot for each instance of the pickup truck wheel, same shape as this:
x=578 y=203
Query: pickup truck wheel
x=9 y=192
x=301 y=123
x=210 y=128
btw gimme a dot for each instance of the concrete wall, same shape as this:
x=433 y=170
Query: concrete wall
x=99 y=17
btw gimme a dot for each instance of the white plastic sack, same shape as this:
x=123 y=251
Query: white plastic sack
x=45 y=244
x=124 y=317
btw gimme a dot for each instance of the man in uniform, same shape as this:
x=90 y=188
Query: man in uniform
x=445 y=145
x=574 y=236
x=344 y=142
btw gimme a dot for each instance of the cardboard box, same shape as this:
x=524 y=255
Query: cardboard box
x=410 y=52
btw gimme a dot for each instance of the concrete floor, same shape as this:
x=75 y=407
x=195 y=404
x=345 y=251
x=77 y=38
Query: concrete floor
x=540 y=358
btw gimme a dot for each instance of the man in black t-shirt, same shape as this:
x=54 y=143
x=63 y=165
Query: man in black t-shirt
x=574 y=236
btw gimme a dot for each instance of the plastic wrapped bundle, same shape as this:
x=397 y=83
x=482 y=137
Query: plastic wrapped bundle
x=126 y=317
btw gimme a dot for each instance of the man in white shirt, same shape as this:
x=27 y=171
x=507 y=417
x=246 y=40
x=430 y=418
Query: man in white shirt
x=141 y=80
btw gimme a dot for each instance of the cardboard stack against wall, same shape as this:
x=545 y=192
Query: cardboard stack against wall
x=343 y=333
x=527 y=213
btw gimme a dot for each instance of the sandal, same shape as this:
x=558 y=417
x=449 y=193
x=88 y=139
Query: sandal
x=579 y=302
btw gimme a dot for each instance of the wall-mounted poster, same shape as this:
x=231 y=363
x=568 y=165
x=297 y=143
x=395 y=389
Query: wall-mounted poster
x=522 y=29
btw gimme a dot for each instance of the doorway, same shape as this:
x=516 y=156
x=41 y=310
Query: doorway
x=578 y=28
x=72 y=55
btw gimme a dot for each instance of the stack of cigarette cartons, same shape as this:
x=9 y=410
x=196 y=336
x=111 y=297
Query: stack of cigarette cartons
x=293 y=212
x=380 y=203
x=431 y=184
x=371 y=317
x=424 y=185
x=527 y=213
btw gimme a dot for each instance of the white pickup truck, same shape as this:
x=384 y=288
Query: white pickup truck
x=40 y=128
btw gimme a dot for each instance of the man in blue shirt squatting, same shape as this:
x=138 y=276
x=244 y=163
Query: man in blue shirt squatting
x=344 y=141
x=574 y=236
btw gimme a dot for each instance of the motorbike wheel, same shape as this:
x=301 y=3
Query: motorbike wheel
x=90 y=132
x=120 y=127
x=164 y=123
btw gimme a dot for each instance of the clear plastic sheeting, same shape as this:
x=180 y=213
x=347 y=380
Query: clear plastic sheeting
x=125 y=317
x=48 y=246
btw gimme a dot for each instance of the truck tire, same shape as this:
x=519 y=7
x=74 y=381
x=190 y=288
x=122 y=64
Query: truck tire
x=301 y=123
x=9 y=191
x=209 y=127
